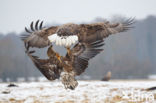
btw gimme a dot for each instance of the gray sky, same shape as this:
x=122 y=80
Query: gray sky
x=16 y=14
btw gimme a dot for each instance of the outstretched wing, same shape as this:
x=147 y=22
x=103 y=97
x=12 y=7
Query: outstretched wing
x=98 y=31
x=46 y=66
x=38 y=36
x=82 y=53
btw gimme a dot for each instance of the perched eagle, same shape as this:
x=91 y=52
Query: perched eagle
x=107 y=77
x=66 y=68
x=68 y=34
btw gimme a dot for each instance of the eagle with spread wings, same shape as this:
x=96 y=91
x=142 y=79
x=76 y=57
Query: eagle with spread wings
x=70 y=33
x=66 y=68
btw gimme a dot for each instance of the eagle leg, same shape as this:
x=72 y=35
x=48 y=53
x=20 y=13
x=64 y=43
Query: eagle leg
x=68 y=50
x=50 y=51
x=68 y=80
x=58 y=57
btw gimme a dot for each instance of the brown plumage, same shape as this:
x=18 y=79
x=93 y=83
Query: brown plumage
x=50 y=68
x=98 y=31
x=76 y=61
x=67 y=67
x=38 y=37
x=82 y=53
x=89 y=37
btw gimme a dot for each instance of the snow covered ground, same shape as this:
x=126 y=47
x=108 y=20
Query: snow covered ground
x=115 y=91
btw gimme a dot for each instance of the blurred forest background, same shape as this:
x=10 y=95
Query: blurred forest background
x=128 y=55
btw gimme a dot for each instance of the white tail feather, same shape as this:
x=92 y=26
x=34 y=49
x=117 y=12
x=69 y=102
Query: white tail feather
x=63 y=40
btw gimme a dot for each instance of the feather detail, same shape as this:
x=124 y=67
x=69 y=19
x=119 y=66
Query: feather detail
x=63 y=40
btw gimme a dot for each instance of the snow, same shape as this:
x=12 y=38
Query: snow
x=87 y=92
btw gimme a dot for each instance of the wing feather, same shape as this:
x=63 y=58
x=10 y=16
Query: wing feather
x=38 y=36
x=82 y=53
x=46 y=66
x=99 y=31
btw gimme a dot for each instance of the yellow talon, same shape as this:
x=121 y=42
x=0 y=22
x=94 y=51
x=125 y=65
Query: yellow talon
x=50 y=51
x=58 y=57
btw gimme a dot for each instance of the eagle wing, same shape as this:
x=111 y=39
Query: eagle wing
x=82 y=53
x=48 y=67
x=98 y=31
x=38 y=36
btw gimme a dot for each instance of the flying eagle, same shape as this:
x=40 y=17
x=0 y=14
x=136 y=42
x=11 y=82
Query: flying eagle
x=68 y=34
x=66 y=68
